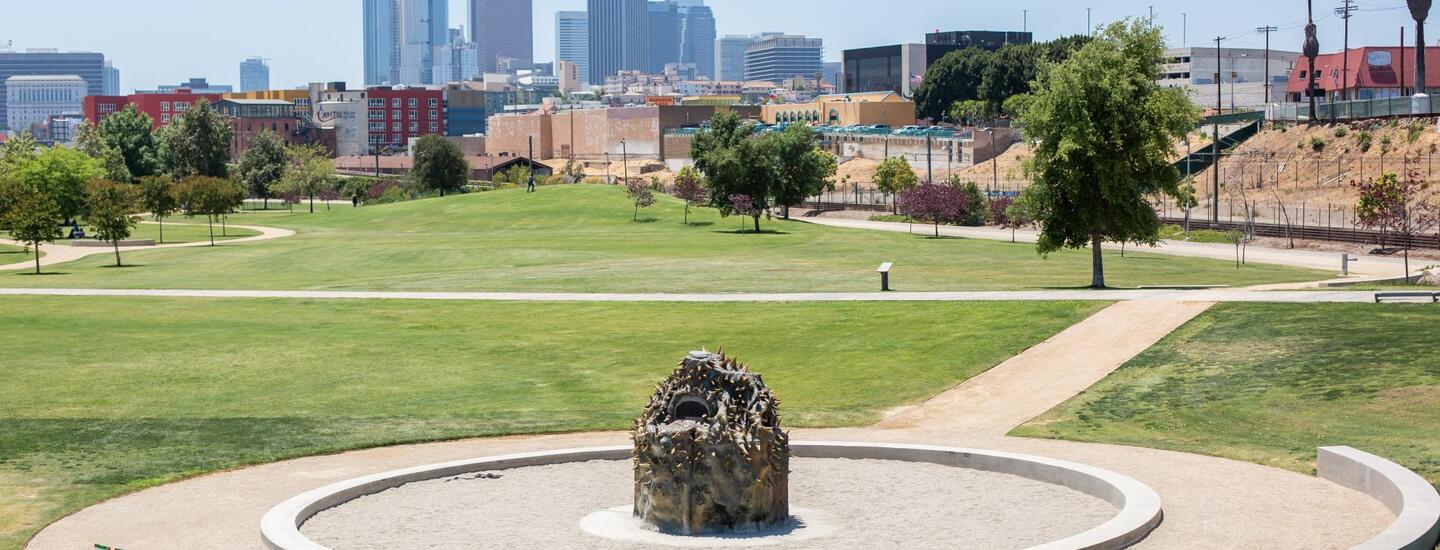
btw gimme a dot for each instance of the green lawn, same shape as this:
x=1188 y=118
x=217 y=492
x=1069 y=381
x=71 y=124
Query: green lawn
x=581 y=239
x=15 y=254
x=103 y=396
x=1177 y=233
x=187 y=230
x=1269 y=383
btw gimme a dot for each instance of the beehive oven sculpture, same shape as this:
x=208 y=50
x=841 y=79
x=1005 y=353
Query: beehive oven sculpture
x=710 y=456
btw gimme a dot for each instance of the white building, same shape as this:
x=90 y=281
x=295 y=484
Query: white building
x=1241 y=71
x=32 y=100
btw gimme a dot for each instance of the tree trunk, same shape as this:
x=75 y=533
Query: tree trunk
x=161 y=221
x=37 y=257
x=312 y=203
x=757 y=223
x=635 y=216
x=937 y=230
x=1097 y=262
x=687 y=213
x=211 y=221
x=265 y=205
x=224 y=228
x=117 y=252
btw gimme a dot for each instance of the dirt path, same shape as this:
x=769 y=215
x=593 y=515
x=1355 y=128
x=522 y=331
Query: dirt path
x=1209 y=502
x=59 y=254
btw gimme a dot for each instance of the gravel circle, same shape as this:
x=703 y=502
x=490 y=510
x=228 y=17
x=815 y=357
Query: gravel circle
x=868 y=503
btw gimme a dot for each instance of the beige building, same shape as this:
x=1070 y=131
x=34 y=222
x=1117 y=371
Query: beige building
x=592 y=134
x=845 y=109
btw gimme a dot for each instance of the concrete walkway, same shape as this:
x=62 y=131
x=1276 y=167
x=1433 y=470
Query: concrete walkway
x=59 y=254
x=1209 y=502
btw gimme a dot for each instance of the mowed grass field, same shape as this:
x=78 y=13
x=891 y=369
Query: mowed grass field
x=582 y=239
x=15 y=254
x=1269 y=383
x=103 y=396
x=179 y=230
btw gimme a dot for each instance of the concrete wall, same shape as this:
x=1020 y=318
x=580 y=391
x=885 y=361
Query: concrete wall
x=511 y=134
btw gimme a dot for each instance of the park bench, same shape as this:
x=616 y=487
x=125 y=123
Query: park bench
x=1382 y=296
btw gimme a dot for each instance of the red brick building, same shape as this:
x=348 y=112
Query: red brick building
x=398 y=114
x=162 y=108
x=1375 y=73
x=252 y=116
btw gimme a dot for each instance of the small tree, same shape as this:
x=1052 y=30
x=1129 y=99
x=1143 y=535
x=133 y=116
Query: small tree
x=262 y=165
x=157 y=196
x=640 y=195
x=894 y=176
x=934 y=203
x=743 y=205
x=1017 y=215
x=309 y=172
x=690 y=189
x=35 y=219
x=210 y=197
x=110 y=210
x=61 y=174
x=573 y=172
x=976 y=208
x=1405 y=207
x=440 y=165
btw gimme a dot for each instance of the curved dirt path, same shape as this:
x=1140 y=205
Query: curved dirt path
x=59 y=254
x=1209 y=502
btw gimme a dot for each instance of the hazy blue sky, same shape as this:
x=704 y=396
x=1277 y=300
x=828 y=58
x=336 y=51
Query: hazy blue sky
x=165 y=41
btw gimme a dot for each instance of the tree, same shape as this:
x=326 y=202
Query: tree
x=308 y=173
x=640 y=195
x=17 y=150
x=801 y=169
x=61 y=174
x=734 y=164
x=157 y=196
x=989 y=78
x=131 y=133
x=690 y=189
x=515 y=175
x=35 y=219
x=1185 y=198
x=894 y=176
x=743 y=205
x=262 y=165
x=197 y=143
x=934 y=203
x=440 y=165
x=976 y=209
x=209 y=197
x=1104 y=132
x=88 y=141
x=573 y=171
x=110 y=211
x=970 y=112
x=1017 y=215
x=1404 y=206
x=955 y=77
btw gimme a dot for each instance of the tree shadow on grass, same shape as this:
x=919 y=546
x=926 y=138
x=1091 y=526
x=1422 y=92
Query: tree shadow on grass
x=700 y=224
x=41 y=274
x=122 y=266
x=646 y=220
x=752 y=232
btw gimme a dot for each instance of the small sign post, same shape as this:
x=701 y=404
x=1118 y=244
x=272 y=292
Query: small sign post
x=885 y=276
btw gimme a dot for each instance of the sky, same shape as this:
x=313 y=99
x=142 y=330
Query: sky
x=156 y=42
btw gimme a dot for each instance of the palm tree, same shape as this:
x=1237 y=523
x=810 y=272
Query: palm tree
x=1419 y=10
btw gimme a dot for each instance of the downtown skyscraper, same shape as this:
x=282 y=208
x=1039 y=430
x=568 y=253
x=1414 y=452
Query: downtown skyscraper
x=401 y=37
x=619 y=37
x=697 y=37
x=572 y=41
x=503 y=30
x=254 y=75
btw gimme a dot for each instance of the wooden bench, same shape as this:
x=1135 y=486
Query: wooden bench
x=1382 y=296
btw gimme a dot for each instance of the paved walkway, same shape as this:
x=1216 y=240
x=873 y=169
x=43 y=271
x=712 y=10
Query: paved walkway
x=1209 y=502
x=59 y=254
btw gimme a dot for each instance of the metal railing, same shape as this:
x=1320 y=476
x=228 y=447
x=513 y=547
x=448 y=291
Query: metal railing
x=1355 y=109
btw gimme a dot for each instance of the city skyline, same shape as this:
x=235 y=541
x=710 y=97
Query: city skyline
x=331 y=30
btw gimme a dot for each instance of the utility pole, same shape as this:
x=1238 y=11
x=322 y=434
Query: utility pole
x=1025 y=20
x=1266 y=31
x=1345 y=11
x=1152 y=13
x=1311 y=49
x=1089 y=28
x=1185 y=30
x=1215 y=134
x=1402 y=62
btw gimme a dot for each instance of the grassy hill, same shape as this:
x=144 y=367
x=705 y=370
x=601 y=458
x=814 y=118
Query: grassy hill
x=582 y=239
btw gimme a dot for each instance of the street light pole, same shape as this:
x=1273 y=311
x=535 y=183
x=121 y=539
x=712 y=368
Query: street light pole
x=625 y=161
x=1266 y=30
x=1215 y=134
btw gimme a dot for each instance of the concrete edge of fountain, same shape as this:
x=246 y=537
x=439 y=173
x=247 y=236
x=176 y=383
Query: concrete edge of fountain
x=1138 y=504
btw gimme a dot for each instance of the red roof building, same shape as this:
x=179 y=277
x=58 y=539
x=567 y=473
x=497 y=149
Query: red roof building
x=162 y=108
x=1375 y=72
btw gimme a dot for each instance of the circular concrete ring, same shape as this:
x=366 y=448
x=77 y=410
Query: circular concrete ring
x=1139 y=505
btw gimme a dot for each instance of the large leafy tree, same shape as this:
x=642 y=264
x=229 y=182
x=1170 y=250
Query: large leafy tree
x=131 y=133
x=991 y=78
x=209 y=197
x=34 y=219
x=197 y=143
x=309 y=172
x=15 y=151
x=262 y=165
x=734 y=164
x=60 y=174
x=802 y=169
x=110 y=211
x=1105 y=134
x=440 y=165
x=88 y=141
x=955 y=77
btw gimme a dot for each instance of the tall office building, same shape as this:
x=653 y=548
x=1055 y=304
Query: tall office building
x=697 y=37
x=572 y=41
x=382 y=48
x=730 y=57
x=779 y=57
x=619 y=37
x=424 y=25
x=663 y=26
x=254 y=75
x=110 y=80
x=50 y=62
x=503 y=29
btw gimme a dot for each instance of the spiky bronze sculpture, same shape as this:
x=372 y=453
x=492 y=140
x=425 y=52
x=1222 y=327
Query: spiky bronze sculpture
x=710 y=456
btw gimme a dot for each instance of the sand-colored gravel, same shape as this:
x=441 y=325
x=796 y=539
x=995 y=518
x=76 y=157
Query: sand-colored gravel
x=866 y=504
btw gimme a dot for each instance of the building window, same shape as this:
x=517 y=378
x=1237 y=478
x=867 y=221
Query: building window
x=394 y=103
x=377 y=103
x=374 y=115
x=377 y=126
x=434 y=113
x=414 y=126
x=395 y=126
x=394 y=114
x=434 y=127
x=165 y=118
x=414 y=103
x=414 y=114
x=164 y=105
x=434 y=103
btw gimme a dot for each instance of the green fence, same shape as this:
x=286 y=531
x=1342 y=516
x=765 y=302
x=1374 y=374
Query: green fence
x=1356 y=109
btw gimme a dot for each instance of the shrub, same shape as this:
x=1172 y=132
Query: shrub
x=1317 y=144
x=1341 y=132
x=392 y=195
x=379 y=188
x=1363 y=140
x=1413 y=133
